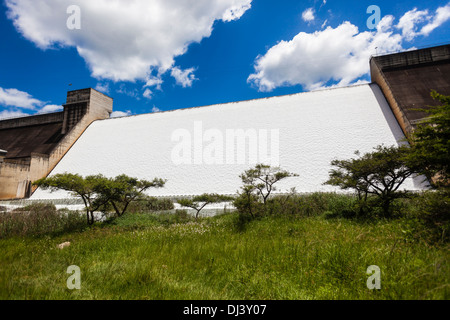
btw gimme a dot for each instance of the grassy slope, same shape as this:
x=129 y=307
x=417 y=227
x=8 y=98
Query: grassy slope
x=139 y=257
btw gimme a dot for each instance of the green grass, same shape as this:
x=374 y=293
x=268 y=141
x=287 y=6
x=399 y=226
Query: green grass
x=144 y=256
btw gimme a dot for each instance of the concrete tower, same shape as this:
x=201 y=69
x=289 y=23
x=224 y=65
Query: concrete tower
x=30 y=147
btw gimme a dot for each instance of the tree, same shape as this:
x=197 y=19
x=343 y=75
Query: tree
x=199 y=202
x=379 y=173
x=86 y=188
x=431 y=143
x=97 y=191
x=259 y=182
x=122 y=190
x=262 y=179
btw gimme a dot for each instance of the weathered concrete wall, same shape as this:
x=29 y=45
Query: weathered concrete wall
x=407 y=79
x=14 y=180
x=378 y=78
x=33 y=120
x=82 y=108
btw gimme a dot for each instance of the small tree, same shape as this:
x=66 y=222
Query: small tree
x=259 y=182
x=122 y=190
x=97 y=191
x=379 y=173
x=199 y=202
x=431 y=143
x=262 y=179
x=86 y=188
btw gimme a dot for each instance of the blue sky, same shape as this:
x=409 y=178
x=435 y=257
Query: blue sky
x=152 y=55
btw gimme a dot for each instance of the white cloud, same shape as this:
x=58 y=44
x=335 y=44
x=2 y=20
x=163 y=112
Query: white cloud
x=19 y=99
x=14 y=100
x=9 y=114
x=118 y=114
x=50 y=109
x=236 y=11
x=123 y=40
x=154 y=82
x=155 y=109
x=148 y=93
x=308 y=15
x=102 y=87
x=410 y=23
x=312 y=59
x=338 y=55
x=183 y=77
x=442 y=16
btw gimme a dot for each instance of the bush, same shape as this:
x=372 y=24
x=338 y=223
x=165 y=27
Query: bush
x=300 y=205
x=432 y=211
x=39 y=219
x=247 y=204
x=150 y=204
x=375 y=176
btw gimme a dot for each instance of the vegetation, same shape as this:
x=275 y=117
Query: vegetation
x=199 y=202
x=161 y=256
x=379 y=173
x=291 y=246
x=98 y=192
x=122 y=190
x=431 y=143
x=39 y=219
x=150 y=204
x=258 y=184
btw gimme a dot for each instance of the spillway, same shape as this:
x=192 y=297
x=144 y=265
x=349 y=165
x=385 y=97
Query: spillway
x=205 y=149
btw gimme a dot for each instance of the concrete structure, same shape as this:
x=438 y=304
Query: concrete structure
x=205 y=149
x=32 y=146
x=407 y=79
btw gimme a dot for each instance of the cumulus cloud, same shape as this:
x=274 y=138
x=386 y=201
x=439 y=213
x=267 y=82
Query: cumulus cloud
x=102 y=87
x=148 y=94
x=308 y=15
x=19 y=99
x=118 y=114
x=155 y=109
x=154 y=82
x=312 y=59
x=421 y=23
x=408 y=23
x=9 y=114
x=183 y=77
x=13 y=100
x=123 y=40
x=50 y=109
x=442 y=15
x=337 y=55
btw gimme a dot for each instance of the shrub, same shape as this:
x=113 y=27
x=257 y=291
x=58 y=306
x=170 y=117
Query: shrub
x=150 y=204
x=100 y=193
x=432 y=209
x=39 y=219
x=199 y=202
x=375 y=176
x=431 y=143
x=258 y=185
